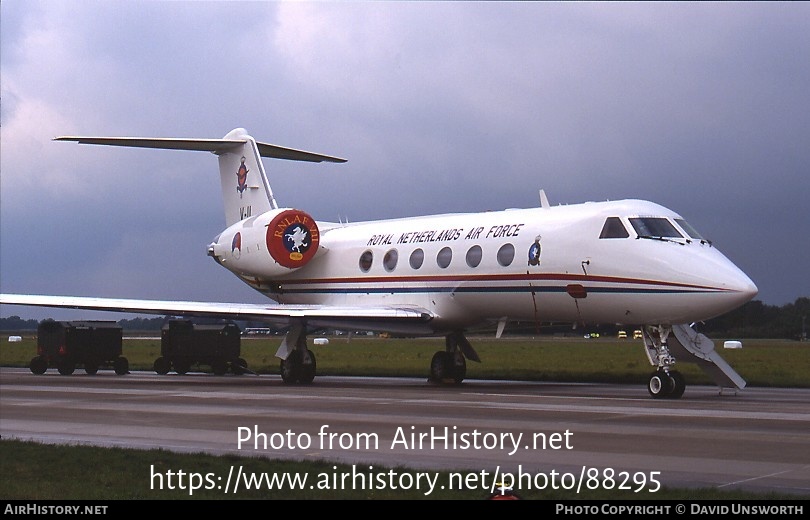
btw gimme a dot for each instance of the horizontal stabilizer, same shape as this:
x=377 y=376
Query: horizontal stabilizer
x=216 y=146
x=291 y=154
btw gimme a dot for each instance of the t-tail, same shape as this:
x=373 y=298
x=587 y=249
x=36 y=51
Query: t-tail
x=246 y=189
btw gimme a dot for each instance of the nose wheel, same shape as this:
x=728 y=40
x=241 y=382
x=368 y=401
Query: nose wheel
x=666 y=384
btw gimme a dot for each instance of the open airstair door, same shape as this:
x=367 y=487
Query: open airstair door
x=686 y=344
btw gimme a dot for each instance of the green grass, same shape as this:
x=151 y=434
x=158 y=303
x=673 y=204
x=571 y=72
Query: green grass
x=776 y=363
x=32 y=471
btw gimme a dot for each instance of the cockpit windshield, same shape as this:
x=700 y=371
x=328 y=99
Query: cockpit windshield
x=613 y=228
x=692 y=232
x=654 y=227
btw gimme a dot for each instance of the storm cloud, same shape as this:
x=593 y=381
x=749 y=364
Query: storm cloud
x=439 y=107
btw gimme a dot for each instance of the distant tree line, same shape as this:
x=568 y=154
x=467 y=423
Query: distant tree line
x=757 y=320
x=753 y=320
x=15 y=323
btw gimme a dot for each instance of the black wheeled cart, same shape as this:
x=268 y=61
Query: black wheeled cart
x=184 y=344
x=68 y=344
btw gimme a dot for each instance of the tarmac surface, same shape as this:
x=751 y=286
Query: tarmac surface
x=757 y=439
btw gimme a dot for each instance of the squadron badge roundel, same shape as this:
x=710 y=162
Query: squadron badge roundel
x=292 y=238
x=534 y=252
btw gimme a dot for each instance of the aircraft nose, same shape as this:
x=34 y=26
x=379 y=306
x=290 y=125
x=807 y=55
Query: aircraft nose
x=741 y=286
x=749 y=289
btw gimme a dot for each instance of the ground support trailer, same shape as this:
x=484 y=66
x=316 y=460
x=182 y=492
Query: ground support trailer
x=68 y=344
x=184 y=344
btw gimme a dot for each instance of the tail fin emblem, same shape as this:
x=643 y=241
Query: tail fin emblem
x=241 y=178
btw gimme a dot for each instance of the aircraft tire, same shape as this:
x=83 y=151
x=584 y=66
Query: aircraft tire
x=162 y=366
x=291 y=368
x=440 y=366
x=38 y=365
x=458 y=368
x=307 y=372
x=445 y=366
x=660 y=385
x=678 y=384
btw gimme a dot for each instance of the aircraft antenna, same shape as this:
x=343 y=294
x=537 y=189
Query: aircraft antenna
x=544 y=200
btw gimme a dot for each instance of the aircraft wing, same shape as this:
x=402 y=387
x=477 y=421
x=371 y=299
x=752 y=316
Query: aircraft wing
x=399 y=319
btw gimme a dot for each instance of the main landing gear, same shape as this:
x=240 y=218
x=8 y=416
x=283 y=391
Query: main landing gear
x=665 y=382
x=297 y=361
x=447 y=367
x=450 y=366
x=299 y=367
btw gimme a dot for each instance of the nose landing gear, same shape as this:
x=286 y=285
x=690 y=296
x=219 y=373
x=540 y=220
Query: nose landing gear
x=665 y=382
x=662 y=341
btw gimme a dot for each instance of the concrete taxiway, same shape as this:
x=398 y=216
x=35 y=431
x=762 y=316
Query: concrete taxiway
x=756 y=439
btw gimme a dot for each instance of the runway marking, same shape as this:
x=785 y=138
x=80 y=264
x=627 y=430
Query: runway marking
x=538 y=407
x=752 y=479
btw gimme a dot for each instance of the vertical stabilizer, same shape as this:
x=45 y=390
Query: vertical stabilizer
x=245 y=188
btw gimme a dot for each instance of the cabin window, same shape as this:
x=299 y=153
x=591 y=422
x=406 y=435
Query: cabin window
x=614 y=228
x=390 y=260
x=658 y=227
x=506 y=254
x=444 y=257
x=474 y=256
x=692 y=232
x=417 y=258
x=366 y=260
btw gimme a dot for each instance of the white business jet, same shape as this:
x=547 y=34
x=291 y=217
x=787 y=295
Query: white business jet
x=620 y=262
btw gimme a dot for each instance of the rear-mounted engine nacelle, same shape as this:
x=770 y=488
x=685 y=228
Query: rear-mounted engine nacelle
x=272 y=244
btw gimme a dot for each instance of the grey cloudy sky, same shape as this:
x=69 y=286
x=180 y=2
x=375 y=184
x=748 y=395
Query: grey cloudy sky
x=704 y=108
